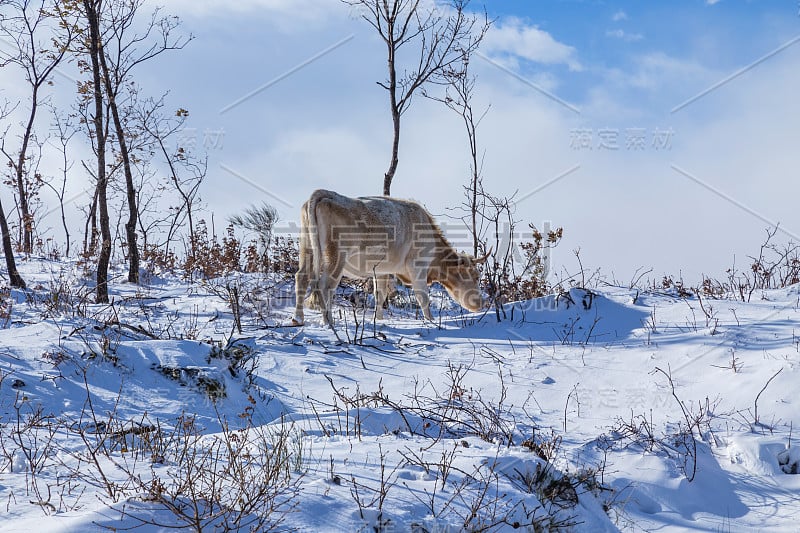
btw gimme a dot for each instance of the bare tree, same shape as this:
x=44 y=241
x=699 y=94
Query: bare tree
x=121 y=50
x=8 y=250
x=91 y=9
x=64 y=130
x=90 y=231
x=37 y=50
x=116 y=42
x=443 y=36
x=186 y=171
x=458 y=97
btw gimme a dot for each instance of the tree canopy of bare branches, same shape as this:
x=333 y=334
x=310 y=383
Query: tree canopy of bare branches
x=37 y=49
x=436 y=38
x=116 y=42
x=458 y=97
x=8 y=250
x=122 y=48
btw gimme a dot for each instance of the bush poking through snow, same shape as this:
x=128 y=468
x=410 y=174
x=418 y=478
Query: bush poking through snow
x=238 y=480
x=198 y=378
x=789 y=460
x=519 y=488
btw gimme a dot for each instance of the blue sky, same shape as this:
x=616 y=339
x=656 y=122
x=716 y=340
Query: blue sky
x=722 y=35
x=698 y=190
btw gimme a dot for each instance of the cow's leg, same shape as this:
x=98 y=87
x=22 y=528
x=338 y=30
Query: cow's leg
x=303 y=275
x=314 y=301
x=331 y=275
x=328 y=282
x=326 y=290
x=300 y=287
x=423 y=299
x=381 y=292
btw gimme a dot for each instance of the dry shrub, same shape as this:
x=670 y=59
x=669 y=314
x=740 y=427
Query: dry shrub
x=243 y=479
x=207 y=257
x=210 y=258
x=532 y=281
x=678 y=286
x=6 y=306
x=282 y=257
x=285 y=256
x=255 y=260
x=775 y=267
x=512 y=276
x=158 y=258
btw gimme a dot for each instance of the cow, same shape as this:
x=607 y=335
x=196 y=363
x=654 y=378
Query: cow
x=377 y=237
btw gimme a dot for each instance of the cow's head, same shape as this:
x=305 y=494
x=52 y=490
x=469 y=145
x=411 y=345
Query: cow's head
x=462 y=281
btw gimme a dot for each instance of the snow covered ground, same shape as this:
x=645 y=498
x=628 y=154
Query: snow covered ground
x=602 y=410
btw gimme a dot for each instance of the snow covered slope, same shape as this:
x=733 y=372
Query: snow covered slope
x=591 y=411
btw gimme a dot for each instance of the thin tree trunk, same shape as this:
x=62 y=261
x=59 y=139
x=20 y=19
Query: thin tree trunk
x=102 y=180
x=130 y=225
x=393 y=104
x=26 y=222
x=474 y=212
x=389 y=176
x=473 y=149
x=61 y=201
x=13 y=276
x=187 y=201
x=66 y=228
x=90 y=229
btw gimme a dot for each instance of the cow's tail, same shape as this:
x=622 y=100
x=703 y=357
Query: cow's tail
x=314 y=246
x=314 y=232
x=305 y=249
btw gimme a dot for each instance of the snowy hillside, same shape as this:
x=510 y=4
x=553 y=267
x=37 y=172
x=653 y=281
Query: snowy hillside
x=602 y=410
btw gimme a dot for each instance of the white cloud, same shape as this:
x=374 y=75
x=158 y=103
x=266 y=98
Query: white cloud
x=625 y=36
x=515 y=38
x=658 y=70
x=285 y=15
x=279 y=6
x=619 y=15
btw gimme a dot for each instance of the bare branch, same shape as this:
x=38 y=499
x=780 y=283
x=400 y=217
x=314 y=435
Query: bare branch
x=444 y=35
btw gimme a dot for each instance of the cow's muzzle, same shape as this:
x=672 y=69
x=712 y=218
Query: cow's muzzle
x=474 y=302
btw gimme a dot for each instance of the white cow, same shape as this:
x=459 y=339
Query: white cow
x=376 y=237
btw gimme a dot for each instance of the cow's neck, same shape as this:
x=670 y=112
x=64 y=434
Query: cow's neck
x=444 y=259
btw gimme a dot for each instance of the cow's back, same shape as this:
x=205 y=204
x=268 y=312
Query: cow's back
x=373 y=233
